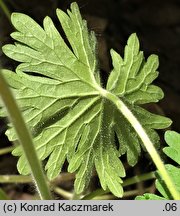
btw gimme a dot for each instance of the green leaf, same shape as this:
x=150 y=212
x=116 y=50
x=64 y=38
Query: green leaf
x=173 y=151
x=173 y=140
x=131 y=77
x=131 y=80
x=149 y=196
x=174 y=172
x=68 y=112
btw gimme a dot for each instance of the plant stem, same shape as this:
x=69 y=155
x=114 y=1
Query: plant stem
x=15 y=179
x=63 y=193
x=24 y=138
x=140 y=178
x=105 y=197
x=76 y=196
x=134 y=192
x=95 y=193
x=5 y=9
x=146 y=141
x=130 y=193
x=6 y=150
x=63 y=177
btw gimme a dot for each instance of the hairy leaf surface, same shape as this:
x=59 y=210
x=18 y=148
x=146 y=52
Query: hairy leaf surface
x=58 y=90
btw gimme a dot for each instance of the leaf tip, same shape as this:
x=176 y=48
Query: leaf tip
x=133 y=36
x=15 y=16
x=58 y=10
x=169 y=135
x=74 y=6
x=112 y=52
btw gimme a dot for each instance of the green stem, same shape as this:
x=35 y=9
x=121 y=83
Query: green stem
x=63 y=177
x=146 y=141
x=76 y=196
x=139 y=178
x=5 y=9
x=105 y=197
x=24 y=138
x=15 y=179
x=126 y=194
x=135 y=192
x=6 y=150
x=95 y=193
x=63 y=193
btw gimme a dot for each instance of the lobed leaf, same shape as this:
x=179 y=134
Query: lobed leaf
x=173 y=140
x=57 y=88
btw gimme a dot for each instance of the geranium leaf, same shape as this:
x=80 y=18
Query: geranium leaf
x=69 y=114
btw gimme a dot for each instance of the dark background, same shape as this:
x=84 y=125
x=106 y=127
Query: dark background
x=156 y=22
